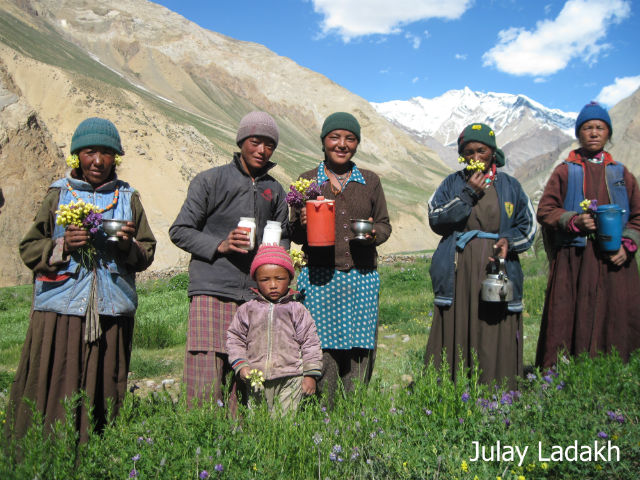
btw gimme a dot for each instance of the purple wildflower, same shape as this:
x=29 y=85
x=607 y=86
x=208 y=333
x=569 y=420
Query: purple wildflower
x=294 y=198
x=220 y=403
x=373 y=435
x=548 y=379
x=461 y=420
x=340 y=459
x=140 y=439
x=133 y=473
x=204 y=474
x=337 y=449
x=92 y=221
x=465 y=397
x=620 y=418
x=136 y=457
x=333 y=457
x=313 y=191
x=593 y=206
x=507 y=399
x=393 y=410
x=427 y=411
x=531 y=377
x=317 y=438
x=603 y=435
x=507 y=422
x=218 y=467
x=326 y=420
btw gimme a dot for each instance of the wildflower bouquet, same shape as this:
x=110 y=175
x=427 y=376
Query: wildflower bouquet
x=589 y=206
x=83 y=215
x=302 y=190
x=297 y=257
x=256 y=378
x=473 y=164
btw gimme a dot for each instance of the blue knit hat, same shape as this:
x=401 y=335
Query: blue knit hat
x=593 y=111
x=340 y=121
x=96 y=132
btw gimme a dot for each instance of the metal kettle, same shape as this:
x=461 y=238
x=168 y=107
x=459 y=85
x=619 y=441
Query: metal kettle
x=497 y=287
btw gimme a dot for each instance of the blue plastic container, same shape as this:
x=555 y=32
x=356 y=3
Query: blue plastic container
x=609 y=227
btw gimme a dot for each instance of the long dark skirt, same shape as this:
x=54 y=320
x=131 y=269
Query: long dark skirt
x=56 y=362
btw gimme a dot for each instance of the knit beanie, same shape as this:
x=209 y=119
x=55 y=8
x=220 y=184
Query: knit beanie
x=479 y=132
x=96 y=132
x=593 y=111
x=272 y=255
x=257 y=124
x=340 y=121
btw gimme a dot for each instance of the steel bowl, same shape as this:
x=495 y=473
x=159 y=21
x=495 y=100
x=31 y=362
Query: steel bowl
x=111 y=227
x=361 y=227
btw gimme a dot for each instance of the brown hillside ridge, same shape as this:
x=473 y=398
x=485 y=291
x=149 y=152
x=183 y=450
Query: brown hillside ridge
x=176 y=93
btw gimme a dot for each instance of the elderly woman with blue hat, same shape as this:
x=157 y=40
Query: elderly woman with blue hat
x=81 y=326
x=482 y=215
x=591 y=303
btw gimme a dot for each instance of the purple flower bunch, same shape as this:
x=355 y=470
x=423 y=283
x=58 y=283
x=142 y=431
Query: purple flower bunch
x=92 y=222
x=301 y=191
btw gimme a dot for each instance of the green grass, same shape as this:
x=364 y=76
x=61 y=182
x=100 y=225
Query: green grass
x=410 y=422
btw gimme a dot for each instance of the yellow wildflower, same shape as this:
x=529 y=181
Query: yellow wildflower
x=464 y=467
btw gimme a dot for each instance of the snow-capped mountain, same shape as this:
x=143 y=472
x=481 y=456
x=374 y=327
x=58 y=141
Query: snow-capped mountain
x=515 y=119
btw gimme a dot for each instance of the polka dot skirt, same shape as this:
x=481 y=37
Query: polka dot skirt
x=344 y=305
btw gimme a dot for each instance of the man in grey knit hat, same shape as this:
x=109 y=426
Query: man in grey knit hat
x=207 y=228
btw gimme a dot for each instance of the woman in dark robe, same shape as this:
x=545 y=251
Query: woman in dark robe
x=591 y=303
x=482 y=216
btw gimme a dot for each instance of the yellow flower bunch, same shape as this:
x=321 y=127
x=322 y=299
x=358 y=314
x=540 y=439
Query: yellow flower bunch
x=473 y=164
x=73 y=161
x=464 y=466
x=74 y=213
x=585 y=204
x=301 y=185
x=256 y=378
x=297 y=257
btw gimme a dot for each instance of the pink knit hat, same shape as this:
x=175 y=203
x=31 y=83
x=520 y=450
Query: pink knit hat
x=272 y=255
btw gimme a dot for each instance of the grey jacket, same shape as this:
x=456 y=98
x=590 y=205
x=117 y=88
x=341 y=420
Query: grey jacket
x=279 y=339
x=216 y=200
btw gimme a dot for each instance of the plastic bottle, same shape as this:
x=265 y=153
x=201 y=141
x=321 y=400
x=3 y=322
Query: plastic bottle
x=248 y=224
x=272 y=233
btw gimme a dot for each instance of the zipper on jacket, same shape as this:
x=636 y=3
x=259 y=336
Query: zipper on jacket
x=269 y=342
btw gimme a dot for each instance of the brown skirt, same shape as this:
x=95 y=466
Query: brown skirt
x=56 y=362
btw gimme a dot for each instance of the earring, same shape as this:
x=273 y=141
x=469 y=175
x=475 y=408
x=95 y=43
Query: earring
x=73 y=161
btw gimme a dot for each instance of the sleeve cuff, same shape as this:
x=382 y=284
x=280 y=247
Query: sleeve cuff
x=633 y=236
x=238 y=365
x=565 y=219
x=57 y=254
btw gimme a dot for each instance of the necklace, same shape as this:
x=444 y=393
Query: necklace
x=341 y=179
x=101 y=210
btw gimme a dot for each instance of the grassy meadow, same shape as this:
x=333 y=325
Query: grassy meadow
x=411 y=422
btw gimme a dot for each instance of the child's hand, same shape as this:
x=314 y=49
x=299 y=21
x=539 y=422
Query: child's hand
x=244 y=373
x=308 y=385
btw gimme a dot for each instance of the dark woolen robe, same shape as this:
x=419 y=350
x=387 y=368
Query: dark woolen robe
x=470 y=325
x=591 y=305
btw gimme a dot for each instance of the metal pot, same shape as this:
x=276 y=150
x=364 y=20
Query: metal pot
x=497 y=287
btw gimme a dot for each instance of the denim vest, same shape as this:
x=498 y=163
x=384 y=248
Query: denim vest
x=614 y=173
x=116 y=291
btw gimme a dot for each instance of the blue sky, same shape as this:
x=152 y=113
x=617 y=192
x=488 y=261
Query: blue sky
x=562 y=54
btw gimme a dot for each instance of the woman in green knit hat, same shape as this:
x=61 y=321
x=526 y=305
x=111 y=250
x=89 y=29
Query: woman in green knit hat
x=483 y=217
x=340 y=284
x=81 y=326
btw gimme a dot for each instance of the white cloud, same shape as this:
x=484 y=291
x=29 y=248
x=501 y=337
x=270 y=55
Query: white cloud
x=356 y=18
x=621 y=88
x=415 y=40
x=576 y=33
x=460 y=56
x=415 y=80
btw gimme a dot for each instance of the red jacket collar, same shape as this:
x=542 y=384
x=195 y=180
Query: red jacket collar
x=576 y=157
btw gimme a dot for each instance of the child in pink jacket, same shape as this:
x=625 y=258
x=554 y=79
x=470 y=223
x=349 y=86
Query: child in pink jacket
x=275 y=335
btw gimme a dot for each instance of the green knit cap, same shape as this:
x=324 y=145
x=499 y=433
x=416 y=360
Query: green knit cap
x=479 y=132
x=96 y=132
x=340 y=121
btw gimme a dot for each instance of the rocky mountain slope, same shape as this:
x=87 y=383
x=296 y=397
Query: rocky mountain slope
x=176 y=93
